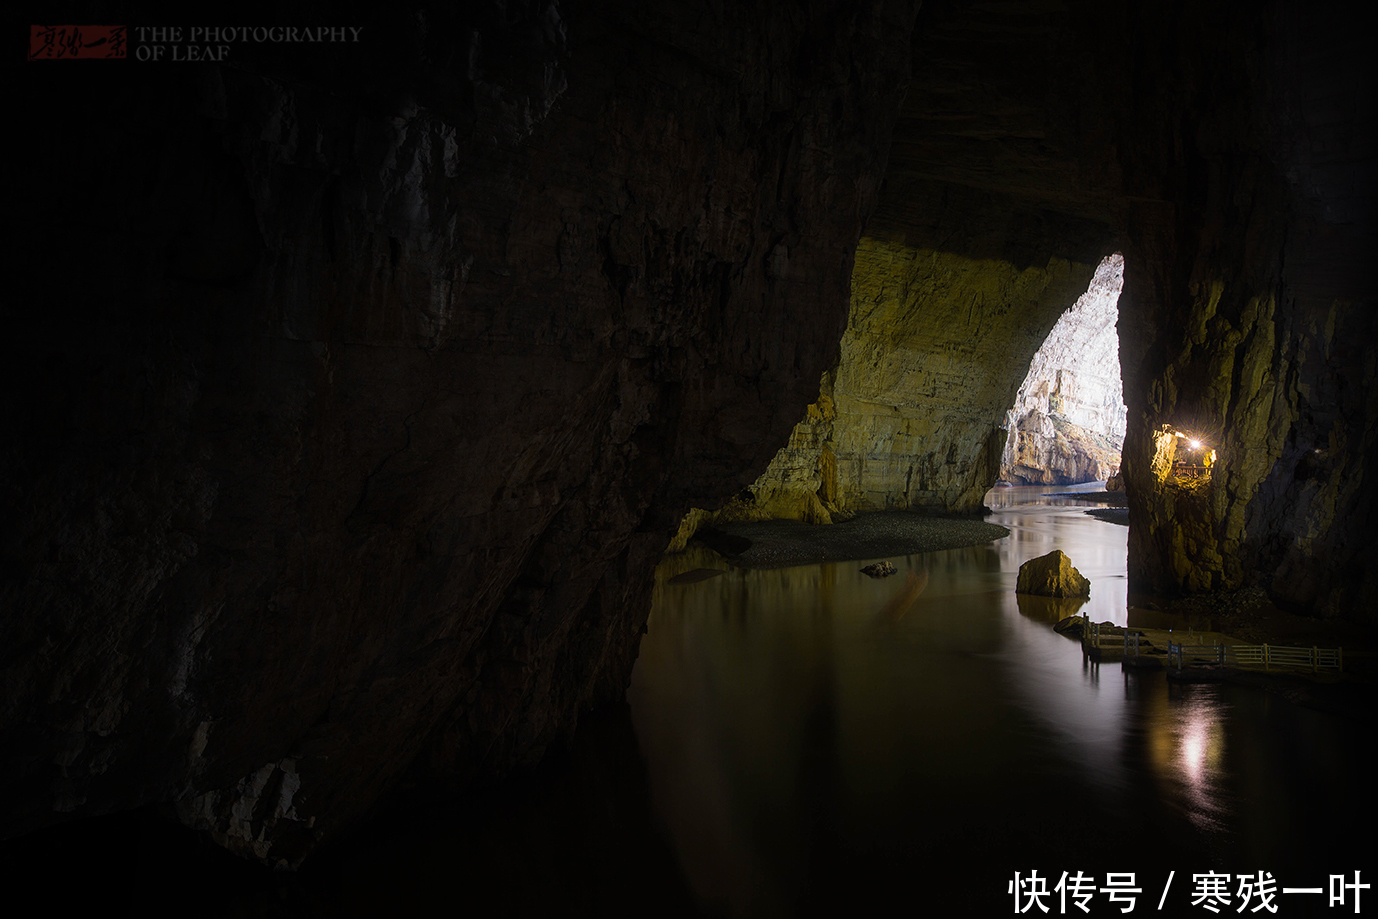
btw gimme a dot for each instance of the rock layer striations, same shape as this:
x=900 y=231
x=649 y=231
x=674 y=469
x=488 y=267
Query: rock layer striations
x=1229 y=153
x=353 y=394
x=1067 y=424
x=1248 y=304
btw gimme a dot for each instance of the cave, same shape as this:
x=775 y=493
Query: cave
x=354 y=390
x=1066 y=426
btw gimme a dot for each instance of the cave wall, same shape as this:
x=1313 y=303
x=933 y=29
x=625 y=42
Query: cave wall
x=1001 y=198
x=350 y=399
x=1229 y=153
x=913 y=415
x=1248 y=297
x=1067 y=423
x=351 y=395
x=930 y=363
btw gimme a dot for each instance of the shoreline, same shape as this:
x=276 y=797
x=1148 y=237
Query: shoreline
x=881 y=534
x=1116 y=515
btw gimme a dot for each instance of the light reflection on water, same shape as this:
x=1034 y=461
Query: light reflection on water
x=808 y=747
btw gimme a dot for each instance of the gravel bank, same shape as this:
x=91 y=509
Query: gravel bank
x=1118 y=515
x=782 y=543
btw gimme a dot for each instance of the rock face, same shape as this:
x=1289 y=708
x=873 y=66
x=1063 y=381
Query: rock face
x=1247 y=310
x=1244 y=207
x=1067 y=424
x=911 y=418
x=915 y=393
x=983 y=239
x=1052 y=575
x=353 y=394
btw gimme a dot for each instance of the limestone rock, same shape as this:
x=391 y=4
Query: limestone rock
x=1049 y=450
x=1052 y=575
x=1260 y=348
x=1067 y=423
x=1072 y=626
x=352 y=396
x=910 y=419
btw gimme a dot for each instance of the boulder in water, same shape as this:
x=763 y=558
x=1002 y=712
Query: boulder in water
x=1052 y=575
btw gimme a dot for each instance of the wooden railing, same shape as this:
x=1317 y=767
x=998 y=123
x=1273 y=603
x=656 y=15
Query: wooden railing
x=1270 y=657
x=1093 y=636
x=1179 y=655
x=1282 y=657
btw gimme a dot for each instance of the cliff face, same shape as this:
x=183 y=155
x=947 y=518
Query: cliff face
x=1001 y=199
x=1246 y=307
x=352 y=398
x=912 y=417
x=929 y=362
x=1067 y=424
x=1229 y=154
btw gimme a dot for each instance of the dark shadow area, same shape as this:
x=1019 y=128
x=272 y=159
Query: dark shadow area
x=576 y=837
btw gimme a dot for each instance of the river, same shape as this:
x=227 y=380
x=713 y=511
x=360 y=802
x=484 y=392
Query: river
x=811 y=751
x=801 y=742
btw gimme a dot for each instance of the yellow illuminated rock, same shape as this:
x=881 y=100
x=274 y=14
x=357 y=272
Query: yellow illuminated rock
x=1052 y=575
x=913 y=416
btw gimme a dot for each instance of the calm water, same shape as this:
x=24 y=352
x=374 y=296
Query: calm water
x=816 y=745
x=807 y=741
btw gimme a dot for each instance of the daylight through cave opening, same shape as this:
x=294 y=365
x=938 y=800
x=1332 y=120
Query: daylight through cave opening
x=1067 y=423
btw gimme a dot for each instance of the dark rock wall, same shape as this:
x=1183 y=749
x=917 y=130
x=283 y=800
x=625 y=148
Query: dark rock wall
x=1249 y=167
x=351 y=398
x=1001 y=197
x=1229 y=151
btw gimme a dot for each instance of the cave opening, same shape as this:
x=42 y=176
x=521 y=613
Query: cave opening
x=1067 y=423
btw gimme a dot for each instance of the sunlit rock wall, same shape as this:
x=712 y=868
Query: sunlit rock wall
x=351 y=396
x=986 y=232
x=930 y=360
x=1067 y=423
x=913 y=415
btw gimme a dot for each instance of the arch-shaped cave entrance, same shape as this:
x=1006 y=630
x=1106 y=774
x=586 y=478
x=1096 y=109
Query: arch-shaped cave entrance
x=1067 y=424
x=913 y=414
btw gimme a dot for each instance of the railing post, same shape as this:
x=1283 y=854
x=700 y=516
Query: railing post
x=1265 y=657
x=1340 y=658
x=1315 y=658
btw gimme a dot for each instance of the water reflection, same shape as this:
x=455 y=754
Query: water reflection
x=815 y=737
x=1188 y=745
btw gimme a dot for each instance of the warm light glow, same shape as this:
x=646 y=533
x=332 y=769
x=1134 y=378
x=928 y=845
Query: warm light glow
x=1196 y=445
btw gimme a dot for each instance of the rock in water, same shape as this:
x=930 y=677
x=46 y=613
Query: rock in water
x=1052 y=575
x=879 y=570
x=1072 y=625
